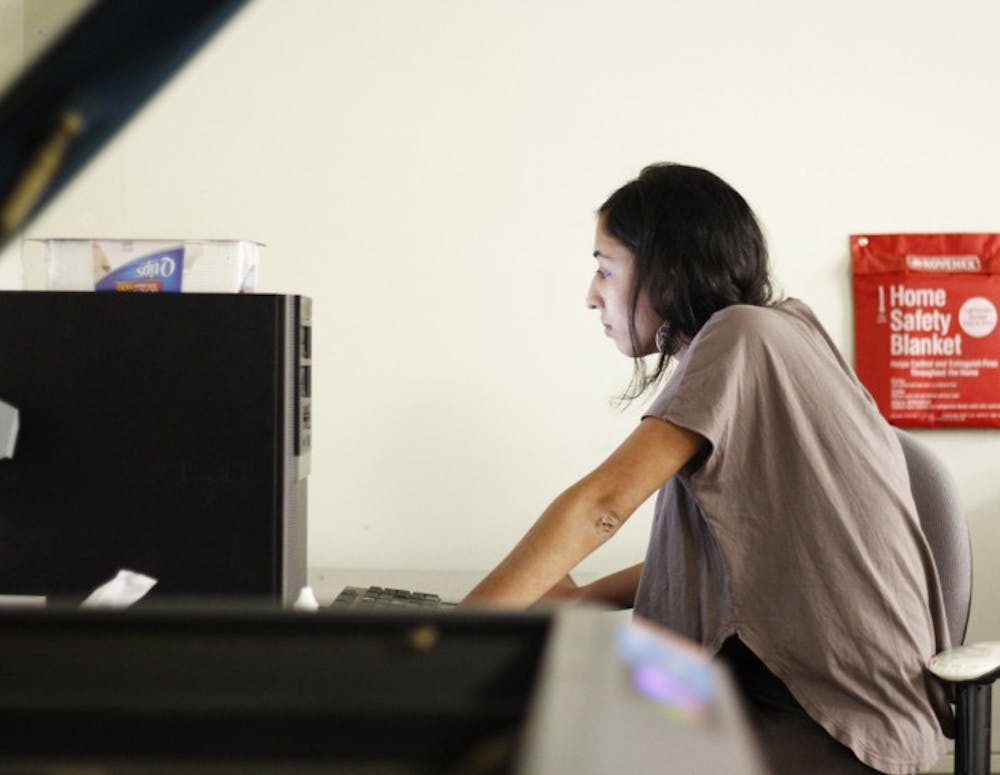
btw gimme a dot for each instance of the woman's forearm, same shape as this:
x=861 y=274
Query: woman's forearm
x=569 y=530
x=616 y=590
x=588 y=514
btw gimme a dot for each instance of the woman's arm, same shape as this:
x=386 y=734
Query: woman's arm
x=587 y=514
x=616 y=590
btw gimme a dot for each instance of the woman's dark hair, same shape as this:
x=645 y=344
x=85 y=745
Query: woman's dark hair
x=698 y=249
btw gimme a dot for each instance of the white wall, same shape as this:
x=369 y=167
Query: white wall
x=428 y=172
x=11 y=40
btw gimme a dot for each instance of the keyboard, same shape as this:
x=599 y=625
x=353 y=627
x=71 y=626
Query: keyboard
x=387 y=597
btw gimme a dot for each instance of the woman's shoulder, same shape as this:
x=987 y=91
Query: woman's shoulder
x=744 y=329
x=745 y=321
x=762 y=314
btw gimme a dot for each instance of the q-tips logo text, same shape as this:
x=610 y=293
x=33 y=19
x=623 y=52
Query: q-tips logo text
x=156 y=268
x=160 y=271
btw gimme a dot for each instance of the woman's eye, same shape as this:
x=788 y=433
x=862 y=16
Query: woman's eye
x=602 y=273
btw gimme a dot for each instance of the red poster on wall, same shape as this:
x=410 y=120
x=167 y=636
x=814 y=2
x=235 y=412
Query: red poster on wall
x=927 y=343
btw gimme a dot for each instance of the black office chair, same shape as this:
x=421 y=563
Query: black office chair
x=970 y=670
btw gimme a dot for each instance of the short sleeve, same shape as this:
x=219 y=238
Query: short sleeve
x=714 y=377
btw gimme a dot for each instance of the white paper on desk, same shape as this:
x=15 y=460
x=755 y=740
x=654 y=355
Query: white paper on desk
x=9 y=421
x=306 y=601
x=120 y=592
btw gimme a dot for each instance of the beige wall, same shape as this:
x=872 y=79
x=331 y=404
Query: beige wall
x=428 y=171
x=11 y=39
x=27 y=26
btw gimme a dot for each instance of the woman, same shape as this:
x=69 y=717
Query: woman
x=785 y=538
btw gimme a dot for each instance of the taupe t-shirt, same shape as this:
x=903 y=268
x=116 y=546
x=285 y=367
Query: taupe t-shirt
x=797 y=531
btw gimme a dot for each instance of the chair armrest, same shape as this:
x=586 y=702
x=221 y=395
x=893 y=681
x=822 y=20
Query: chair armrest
x=979 y=663
x=972 y=670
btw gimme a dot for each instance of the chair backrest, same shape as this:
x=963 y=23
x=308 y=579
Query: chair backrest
x=942 y=518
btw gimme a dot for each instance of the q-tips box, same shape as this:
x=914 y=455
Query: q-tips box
x=143 y=265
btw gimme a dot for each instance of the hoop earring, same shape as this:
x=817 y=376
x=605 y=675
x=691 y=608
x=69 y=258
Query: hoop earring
x=663 y=337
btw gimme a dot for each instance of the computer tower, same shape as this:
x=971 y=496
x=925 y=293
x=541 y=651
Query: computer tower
x=168 y=434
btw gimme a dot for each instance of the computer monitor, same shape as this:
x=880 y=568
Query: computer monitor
x=541 y=692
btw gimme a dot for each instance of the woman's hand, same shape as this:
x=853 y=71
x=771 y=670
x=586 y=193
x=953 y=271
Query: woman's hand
x=565 y=590
x=615 y=591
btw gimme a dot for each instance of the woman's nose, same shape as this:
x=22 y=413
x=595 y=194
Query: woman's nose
x=593 y=299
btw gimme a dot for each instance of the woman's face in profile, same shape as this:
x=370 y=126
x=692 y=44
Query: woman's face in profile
x=609 y=294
